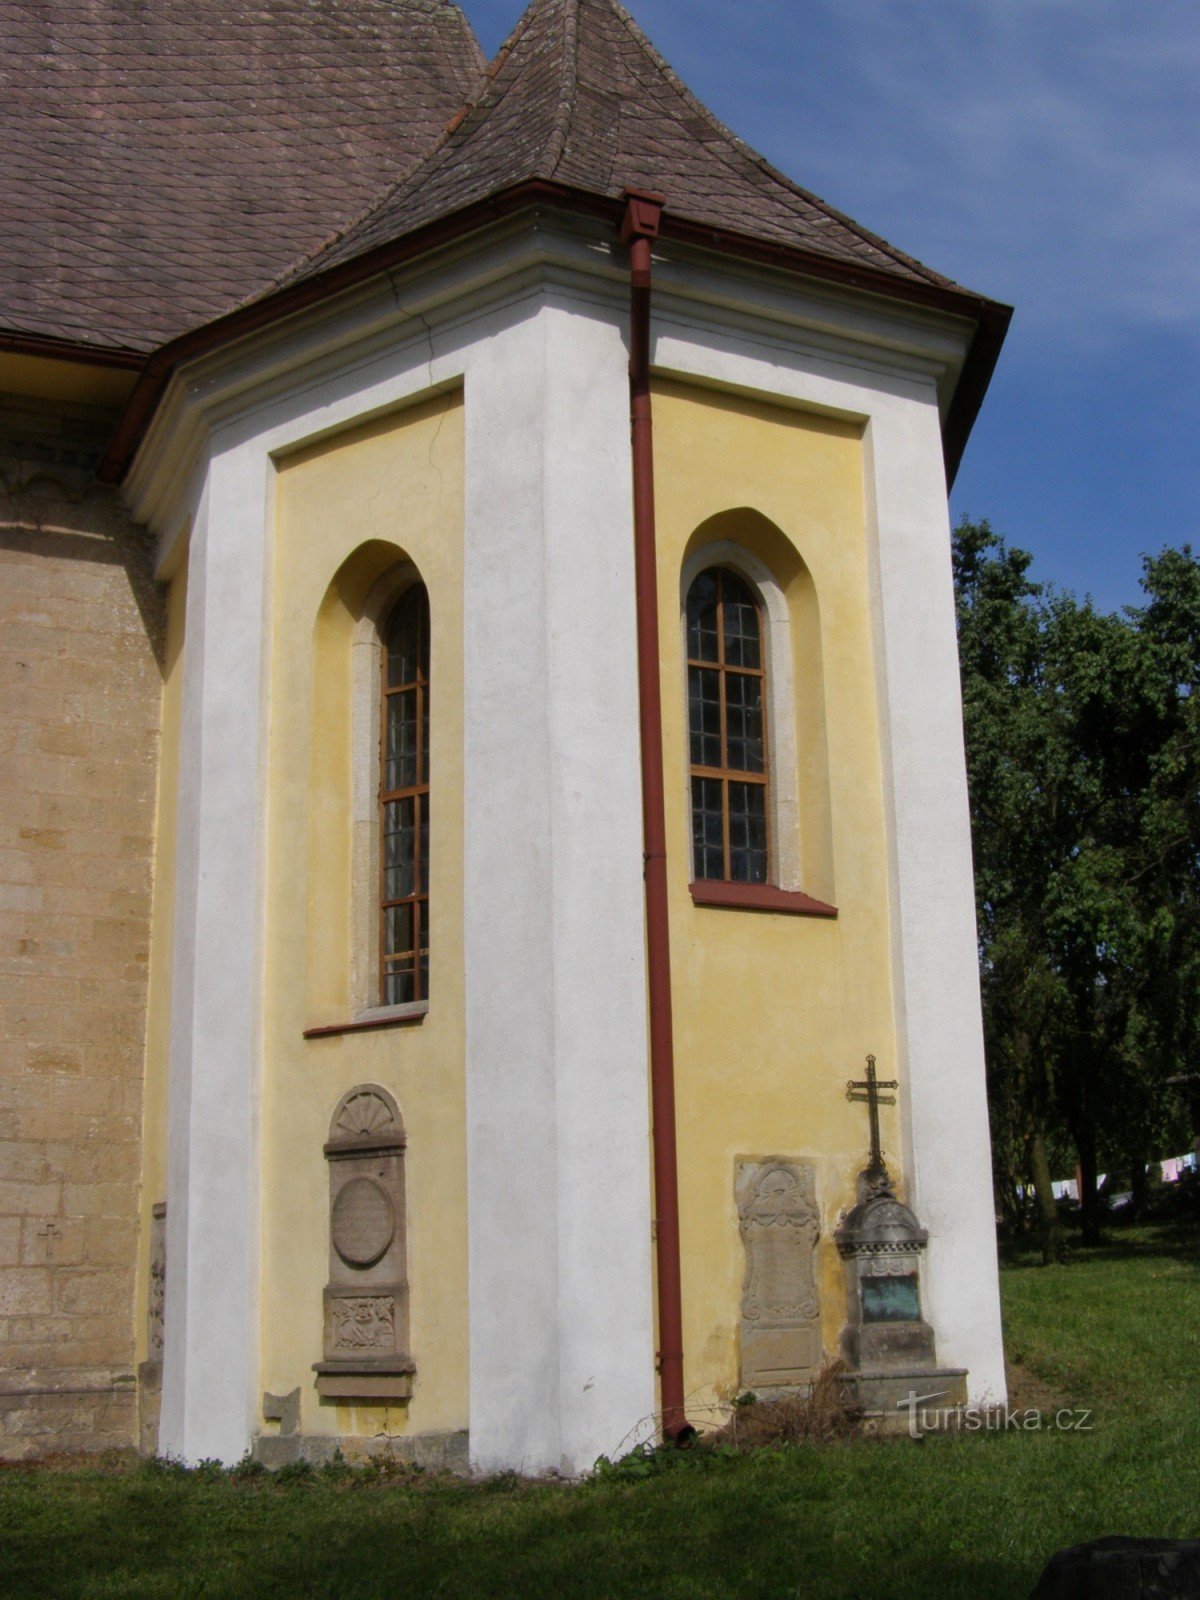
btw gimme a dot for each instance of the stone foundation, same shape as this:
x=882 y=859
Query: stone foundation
x=74 y=1411
x=435 y=1452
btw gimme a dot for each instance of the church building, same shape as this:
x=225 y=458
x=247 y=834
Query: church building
x=482 y=752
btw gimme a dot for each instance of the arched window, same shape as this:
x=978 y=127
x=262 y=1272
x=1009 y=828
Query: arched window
x=727 y=698
x=404 y=802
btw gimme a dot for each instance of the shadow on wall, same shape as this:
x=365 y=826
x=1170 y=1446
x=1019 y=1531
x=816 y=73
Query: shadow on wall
x=48 y=516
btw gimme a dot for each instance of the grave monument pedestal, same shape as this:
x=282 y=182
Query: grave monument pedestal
x=888 y=1347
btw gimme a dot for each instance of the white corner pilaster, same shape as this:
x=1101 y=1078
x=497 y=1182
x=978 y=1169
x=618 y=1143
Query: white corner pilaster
x=606 y=1358
x=934 y=951
x=561 y=1364
x=210 y=1360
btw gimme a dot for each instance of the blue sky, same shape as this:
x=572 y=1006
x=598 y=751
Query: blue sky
x=1044 y=152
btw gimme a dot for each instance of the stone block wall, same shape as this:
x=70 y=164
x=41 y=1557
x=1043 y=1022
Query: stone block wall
x=80 y=689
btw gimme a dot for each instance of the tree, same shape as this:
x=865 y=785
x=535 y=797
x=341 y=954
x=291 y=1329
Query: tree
x=1082 y=743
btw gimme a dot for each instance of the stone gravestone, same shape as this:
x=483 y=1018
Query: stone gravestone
x=366 y=1298
x=781 y=1311
x=889 y=1348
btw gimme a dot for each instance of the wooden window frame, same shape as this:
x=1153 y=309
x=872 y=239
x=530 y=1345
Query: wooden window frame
x=781 y=894
x=367 y=1010
x=417 y=792
x=725 y=774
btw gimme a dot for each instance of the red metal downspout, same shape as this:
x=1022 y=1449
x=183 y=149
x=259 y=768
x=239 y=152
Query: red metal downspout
x=643 y=212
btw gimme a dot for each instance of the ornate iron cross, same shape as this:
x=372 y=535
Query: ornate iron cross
x=868 y=1089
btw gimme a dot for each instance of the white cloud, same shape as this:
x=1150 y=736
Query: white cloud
x=1043 y=150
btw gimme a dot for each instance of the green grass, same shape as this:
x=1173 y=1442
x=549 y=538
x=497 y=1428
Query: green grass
x=1115 y=1330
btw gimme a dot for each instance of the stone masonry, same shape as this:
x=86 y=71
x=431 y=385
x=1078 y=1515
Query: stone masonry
x=80 y=690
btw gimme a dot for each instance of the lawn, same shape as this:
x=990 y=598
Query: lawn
x=1115 y=1331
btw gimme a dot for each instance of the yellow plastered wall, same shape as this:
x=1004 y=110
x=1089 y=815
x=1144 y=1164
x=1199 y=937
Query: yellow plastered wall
x=347 y=510
x=162 y=927
x=77 y=382
x=773 y=1013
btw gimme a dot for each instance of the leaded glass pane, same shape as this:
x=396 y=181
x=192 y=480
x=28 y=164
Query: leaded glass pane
x=743 y=722
x=398 y=840
x=406 y=643
x=702 y=618
x=747 y=832
x=708 y=829
x=399 y=957
x=741 y=623
x=704 y=716
x=400 y=753
x=399 y=987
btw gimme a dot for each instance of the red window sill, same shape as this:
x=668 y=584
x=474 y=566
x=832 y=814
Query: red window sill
x=403 y=1019
x=758 y=897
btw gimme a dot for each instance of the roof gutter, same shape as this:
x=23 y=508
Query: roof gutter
x=990 y=318
x=50 y=349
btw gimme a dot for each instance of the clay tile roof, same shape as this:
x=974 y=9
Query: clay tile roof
x=579 y=96
x=162 y=160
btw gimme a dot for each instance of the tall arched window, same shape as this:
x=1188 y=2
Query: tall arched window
x=727 y=697
x=404 y=802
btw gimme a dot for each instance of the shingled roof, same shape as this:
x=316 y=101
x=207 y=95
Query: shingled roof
x=185 y=171
x=161 y=162
x=579 y=96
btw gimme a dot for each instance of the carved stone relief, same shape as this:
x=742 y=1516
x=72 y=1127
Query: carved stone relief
x=361 y=1322
x=366 y=1352
x=158 y=1281
x=150 y=1370
x=781 y=1312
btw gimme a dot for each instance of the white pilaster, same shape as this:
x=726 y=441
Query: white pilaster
x=560 y=1314
x=606 y=1356
x=934 y=951
x=211 y=1332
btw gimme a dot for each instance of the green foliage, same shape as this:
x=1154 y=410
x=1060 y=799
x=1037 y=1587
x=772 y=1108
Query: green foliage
x=1083 y=757
x=651 y=1461
x=967 y=1518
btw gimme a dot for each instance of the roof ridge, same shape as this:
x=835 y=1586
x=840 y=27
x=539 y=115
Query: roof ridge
x=564 y=113
x=641 y=39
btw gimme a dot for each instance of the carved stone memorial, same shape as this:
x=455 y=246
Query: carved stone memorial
x=781 y=1311
x=889 y=1348
x=366 y=1298
x=150 y=1370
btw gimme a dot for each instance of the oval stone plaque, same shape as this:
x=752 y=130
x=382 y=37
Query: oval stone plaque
x=364 y=1222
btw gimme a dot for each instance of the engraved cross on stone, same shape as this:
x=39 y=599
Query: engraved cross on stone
x=868 y=1089
x=50 y=1231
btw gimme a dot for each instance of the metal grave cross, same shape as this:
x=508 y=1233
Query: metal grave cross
x=868 y=1089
